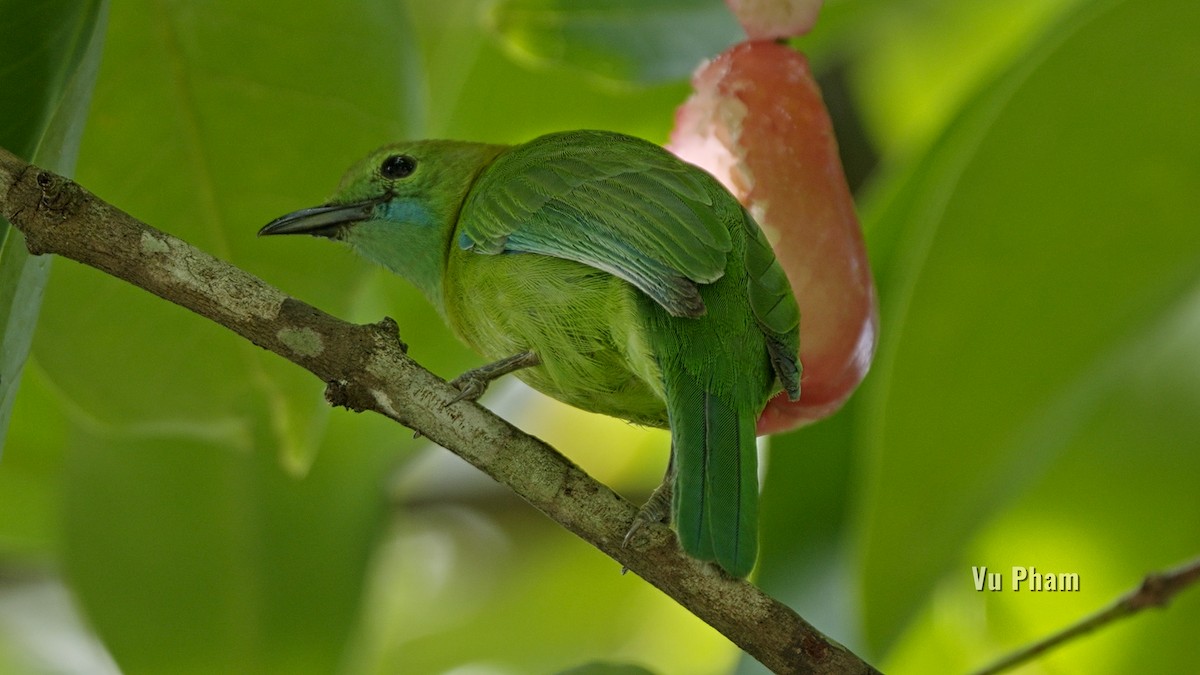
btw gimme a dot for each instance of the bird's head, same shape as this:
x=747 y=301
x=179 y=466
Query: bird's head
x=398 y=206
x=396 y=187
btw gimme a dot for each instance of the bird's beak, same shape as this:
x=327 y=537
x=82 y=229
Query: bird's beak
x=321 y=221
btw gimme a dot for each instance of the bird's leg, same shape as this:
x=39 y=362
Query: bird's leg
x=657 y=508
x=474 y=382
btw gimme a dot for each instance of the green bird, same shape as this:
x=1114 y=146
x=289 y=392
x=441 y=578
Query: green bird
x=606 y=273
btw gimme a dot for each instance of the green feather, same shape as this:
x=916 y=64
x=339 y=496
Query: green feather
x=686 y=402
x=587 y=197
x=715 y=496
x=732 y=484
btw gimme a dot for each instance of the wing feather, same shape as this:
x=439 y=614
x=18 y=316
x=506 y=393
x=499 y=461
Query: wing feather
x=614 y=202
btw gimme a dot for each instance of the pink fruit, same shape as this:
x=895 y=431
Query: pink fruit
x=757 y=122
x=773 y=19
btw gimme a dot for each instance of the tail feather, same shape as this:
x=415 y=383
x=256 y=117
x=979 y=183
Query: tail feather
x=685 y=406
x=716 y=483
x=732 y=486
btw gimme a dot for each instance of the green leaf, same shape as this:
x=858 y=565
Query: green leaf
x=1118 y=503
x=917 y=62
x=1051 y=225
x=30 y=477
x=48 y=62
x=200 y=555
x=642 y=41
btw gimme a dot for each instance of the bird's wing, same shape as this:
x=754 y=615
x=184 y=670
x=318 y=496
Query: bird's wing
x=614 y=202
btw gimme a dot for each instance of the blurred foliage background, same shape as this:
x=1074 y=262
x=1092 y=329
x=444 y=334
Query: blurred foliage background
x=174 y=500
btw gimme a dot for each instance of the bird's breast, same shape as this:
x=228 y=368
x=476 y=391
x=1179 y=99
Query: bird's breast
x=585 y=324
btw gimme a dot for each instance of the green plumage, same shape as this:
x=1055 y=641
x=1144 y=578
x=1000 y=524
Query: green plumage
x=644 y=289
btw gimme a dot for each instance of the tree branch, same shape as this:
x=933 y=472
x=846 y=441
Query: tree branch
x=365 y=368
x=1156 y=590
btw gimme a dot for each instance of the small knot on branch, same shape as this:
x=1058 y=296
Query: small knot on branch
x=390 y=330
x=337 y=394
x=59 y=196
x=37 y=201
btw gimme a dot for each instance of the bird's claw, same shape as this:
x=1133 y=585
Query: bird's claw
x=633 y=528
x=657 y=509
x=470 y=387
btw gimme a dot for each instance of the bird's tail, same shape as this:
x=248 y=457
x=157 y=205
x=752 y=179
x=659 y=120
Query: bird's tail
x=715 y=496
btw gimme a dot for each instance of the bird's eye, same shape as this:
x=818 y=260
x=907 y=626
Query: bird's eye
x=397 y=166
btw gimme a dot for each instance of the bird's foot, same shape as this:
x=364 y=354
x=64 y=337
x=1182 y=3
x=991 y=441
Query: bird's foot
x=470 y=386
x=473 y=383
x=657 y=509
